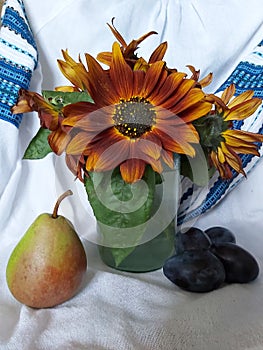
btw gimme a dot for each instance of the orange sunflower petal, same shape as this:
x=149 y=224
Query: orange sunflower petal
x=68 y=58
x=223 y=168
x=219 y=103
x=206 y=80
x=58 y=141
x=70 y=73
x=77 y=110
x=96 y=122
x=116 y=33
x=192 y=97
x=65 y=88
x=91 y=161
x=74 y=165
x=26 y=102
x=179 y=142
x=105 y=57
x=156 y=164
x=195 y=73
x=168 y=158
x=138 y=79
x=246 y=95
x=78 y=144
x=158 y=53
x=100 y=87
x=228 y=93
x=185 y=86
x=177 y=129
x=74 y=71
x=106 y=138
x=242 y=136
x=220 y=155
x=195 y=111
x=246 y=149
x=121 y=73
x=153 y=78
x=232 y=158
x=148 y=149
x=141 y=64
x=106 y=150
x=132 y=170
x=150 y=145
x=243 y=109
x=108 y=158
x=170 y=85
x=86 y=118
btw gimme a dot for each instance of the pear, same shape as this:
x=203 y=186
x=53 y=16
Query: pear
x=48 y=264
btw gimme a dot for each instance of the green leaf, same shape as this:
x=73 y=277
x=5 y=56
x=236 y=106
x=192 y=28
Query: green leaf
x=158 y=179
x=121 y=209
x=196 y=168
x=119 y=254
x=60 y=99
x=39 y=147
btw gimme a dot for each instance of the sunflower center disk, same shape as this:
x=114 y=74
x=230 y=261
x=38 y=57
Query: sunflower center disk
x=134 y=117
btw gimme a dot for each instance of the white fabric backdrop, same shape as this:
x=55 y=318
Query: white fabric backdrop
x=119 y=310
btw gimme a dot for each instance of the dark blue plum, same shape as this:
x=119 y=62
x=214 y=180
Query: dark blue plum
x=195 y=271
x=220 y=234
x=191 y=239
x=240 y=266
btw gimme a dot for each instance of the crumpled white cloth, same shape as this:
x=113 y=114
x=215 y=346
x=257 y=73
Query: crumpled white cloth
x=116 y=310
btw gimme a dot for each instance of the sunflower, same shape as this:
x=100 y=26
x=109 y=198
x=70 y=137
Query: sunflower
x=217 y=135
x=137 y=118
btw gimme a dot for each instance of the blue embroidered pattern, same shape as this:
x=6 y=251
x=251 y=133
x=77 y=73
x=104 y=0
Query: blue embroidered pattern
x=14 y=75
x=245 y=77
x=12 y=20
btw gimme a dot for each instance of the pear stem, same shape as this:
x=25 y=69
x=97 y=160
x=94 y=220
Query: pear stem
x=60 y=199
